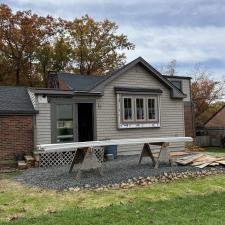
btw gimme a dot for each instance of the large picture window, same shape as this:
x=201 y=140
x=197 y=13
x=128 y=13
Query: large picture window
x=64 y=117
x=139 y=111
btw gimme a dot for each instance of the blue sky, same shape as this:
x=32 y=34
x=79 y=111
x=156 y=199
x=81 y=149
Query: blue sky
x=190 y=31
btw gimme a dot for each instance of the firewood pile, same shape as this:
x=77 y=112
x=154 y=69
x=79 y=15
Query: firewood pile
x=201 y=160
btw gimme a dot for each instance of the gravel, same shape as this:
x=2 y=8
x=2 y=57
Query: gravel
x=114 y=172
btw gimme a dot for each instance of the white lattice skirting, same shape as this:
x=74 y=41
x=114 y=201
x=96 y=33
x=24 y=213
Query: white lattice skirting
x=64 y=158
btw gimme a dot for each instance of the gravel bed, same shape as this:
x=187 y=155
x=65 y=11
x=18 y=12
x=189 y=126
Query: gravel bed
x=114 y=172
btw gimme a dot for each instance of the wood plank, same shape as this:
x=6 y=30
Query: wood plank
x=178 y=153
x=222 y=162
x=214 y=164
x=207 y=160
x=203 y=165
x=189 y=160
x=70 y=146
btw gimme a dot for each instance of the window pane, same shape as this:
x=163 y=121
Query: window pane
x=177 y=84
x=127 y=109
x=140 y=108
x=151 y=109
x=64 y=116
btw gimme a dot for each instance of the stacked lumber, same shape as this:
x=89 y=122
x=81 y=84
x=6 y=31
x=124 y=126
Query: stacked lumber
x=201 y=160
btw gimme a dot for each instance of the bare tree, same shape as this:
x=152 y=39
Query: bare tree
x=171 y=68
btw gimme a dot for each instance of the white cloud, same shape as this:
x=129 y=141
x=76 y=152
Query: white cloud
x=187 y=45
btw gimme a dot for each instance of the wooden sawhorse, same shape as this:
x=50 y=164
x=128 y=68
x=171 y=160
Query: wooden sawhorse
x=87 y=158
x=164 y=154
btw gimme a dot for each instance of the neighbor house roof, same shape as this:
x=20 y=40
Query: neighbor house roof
x=217 y=119
x=15 y=100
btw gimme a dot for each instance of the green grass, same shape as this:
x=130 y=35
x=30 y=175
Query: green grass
x=216 y=151
x=187 y=201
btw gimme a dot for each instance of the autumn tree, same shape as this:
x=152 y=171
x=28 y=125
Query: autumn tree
x=96 y=46
x=55 y=56
x=20 y=35
x=44 y=57
x=205 y=91
x=61 y=58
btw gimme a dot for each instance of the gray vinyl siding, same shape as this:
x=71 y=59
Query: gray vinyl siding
x=42 y=128
x=172 y=111
x=43 y=124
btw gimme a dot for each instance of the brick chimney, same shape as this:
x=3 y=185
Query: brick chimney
x=53 y=81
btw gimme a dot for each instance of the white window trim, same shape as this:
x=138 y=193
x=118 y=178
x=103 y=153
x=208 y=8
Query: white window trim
x=132 y=109
x=156 y=108
x=135 y=108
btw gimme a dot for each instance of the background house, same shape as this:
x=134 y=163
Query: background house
x=16 y=123
x=133 y=102
x=214 y=129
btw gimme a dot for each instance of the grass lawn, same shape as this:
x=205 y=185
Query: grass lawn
x=199 y=201
x=188 y=201
x=217 y=151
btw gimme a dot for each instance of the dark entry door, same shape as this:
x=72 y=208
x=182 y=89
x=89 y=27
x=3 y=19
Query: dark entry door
x=85 y=122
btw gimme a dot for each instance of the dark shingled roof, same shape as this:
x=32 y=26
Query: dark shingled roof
x=15 y=100
x=80 y=82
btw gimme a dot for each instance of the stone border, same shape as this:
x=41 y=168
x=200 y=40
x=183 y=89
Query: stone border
x=147 y=181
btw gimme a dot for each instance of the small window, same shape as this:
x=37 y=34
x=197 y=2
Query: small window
x=140 y=109
x=127 y=109
x=64 y=117
x=151 y=108
x=177 y=83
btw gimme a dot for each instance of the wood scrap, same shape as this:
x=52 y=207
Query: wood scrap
x=203 y=165
x=189 y=159
x=214 y=164
x=201 y=160
x=174 y=154
x=221 y=162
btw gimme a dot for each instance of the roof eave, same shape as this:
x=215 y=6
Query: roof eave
x=8 y=112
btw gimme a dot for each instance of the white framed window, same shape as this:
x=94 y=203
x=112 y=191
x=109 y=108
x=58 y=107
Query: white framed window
x=140 y=108
x=128 y=112
x=138 y=111
x=152 y=109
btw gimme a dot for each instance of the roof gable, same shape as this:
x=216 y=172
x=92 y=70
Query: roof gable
x=175 y=92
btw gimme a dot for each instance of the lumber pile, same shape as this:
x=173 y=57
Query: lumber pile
x=201 y=160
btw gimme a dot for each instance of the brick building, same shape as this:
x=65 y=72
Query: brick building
x=16 y=123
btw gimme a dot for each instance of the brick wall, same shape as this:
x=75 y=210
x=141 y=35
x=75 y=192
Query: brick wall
x=188 y=118
x=16 y=136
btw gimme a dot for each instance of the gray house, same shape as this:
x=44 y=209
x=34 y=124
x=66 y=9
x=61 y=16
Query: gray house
x=133 y=102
